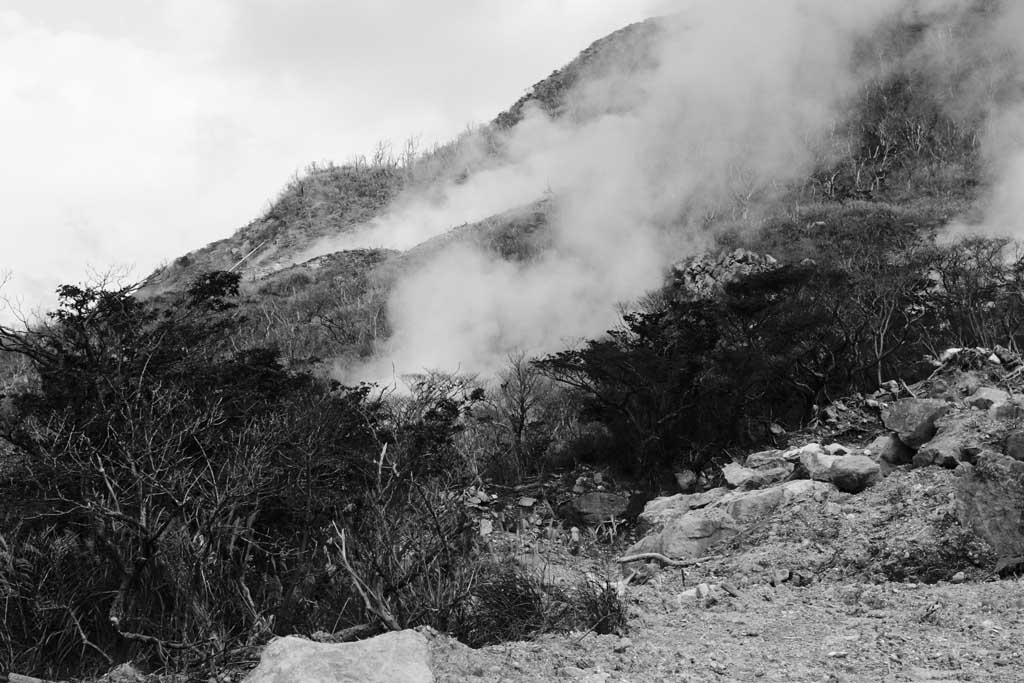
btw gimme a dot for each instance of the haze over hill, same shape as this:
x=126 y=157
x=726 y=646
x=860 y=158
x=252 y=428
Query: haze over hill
x=649 y=146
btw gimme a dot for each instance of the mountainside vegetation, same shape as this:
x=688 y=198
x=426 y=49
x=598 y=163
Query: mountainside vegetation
x=183 y=477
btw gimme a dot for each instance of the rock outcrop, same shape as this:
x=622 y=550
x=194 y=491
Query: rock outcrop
x=990 y=501
x=397 y=657
x=854 y=473
x=913 y=419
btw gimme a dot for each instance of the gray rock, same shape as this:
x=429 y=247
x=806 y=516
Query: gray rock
x=397 y=657
x=593 y=508
x=985 y=397
x=989 y=497
x=818 y=465
x=686 y=480
x=913 y=419
x=666 y=508
x=957 y=439
x=765 y=459
x=836 y=449
x=889 y=449
x=854 y=473
x=690 y=535
x=742 y=477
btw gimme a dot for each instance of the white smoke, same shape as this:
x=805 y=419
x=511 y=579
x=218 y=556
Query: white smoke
x=743 y=96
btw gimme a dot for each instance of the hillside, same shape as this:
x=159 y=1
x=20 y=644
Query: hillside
x=902 y=143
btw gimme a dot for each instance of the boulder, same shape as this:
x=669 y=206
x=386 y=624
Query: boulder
x=690 y=535
x=765 y=459
x=747 y=507
x=986 y=397
x=990 y=502
x=854 y=473
x=958 y=438
x=818 y=465
x=396 y=657
x=684 y=532
x=593 y=508
x=890 y=450
x=742 y=477
x=836 y=449
x=913 y=419
x=661 y=510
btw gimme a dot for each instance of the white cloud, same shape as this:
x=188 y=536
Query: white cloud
x=135 y=131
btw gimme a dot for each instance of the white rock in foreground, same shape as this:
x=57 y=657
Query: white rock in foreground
x=396 y=657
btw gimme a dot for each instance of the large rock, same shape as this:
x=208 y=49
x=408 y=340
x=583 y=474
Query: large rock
x=592 y=509
x=913 y=419
x=397 y=657
x=684 y=532
x=890 y=450
x=742 y=477
x=854 y=473
x=690 y=535
x=660 y=511
x=818 y=464
x=747 y=507
x=766 y=460
x=990 y=501
x=958 y=438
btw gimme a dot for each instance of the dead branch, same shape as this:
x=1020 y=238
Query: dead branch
x=666 y=560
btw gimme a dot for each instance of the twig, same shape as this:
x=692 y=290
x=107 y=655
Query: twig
x=375 y=605
x=908 y=389
x=665 y=560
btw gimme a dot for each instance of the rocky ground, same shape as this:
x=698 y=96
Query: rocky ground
x=810 y=595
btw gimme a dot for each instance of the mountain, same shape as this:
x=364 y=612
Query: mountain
x=902 y=137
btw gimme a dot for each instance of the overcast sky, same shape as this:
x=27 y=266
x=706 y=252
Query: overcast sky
x=133 y=131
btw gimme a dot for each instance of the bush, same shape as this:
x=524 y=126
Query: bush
x=180 y=499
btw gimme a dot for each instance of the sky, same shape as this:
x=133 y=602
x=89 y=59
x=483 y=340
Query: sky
x=134 y=131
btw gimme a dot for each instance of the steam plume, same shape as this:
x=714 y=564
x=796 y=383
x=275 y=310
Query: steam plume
x=733 y=109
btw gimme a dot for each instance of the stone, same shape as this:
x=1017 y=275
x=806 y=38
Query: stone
x=689 y=536
x=890 y=450
x=959 y=577
x=1014 y=445
x=854 y=473
x=742 y=477
x=989 y=497
x=660 y=510
x=682 y=532
x=527 y=502
x=818 y=465
x=793 y=455
x=836 y=449
x=956 y=440
x=686 y=480
x=913 y=419
x=754 y=505
x=486 y=527
x=985 y=397
x=396 y=657
x=764 y=459
x=593 y=508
